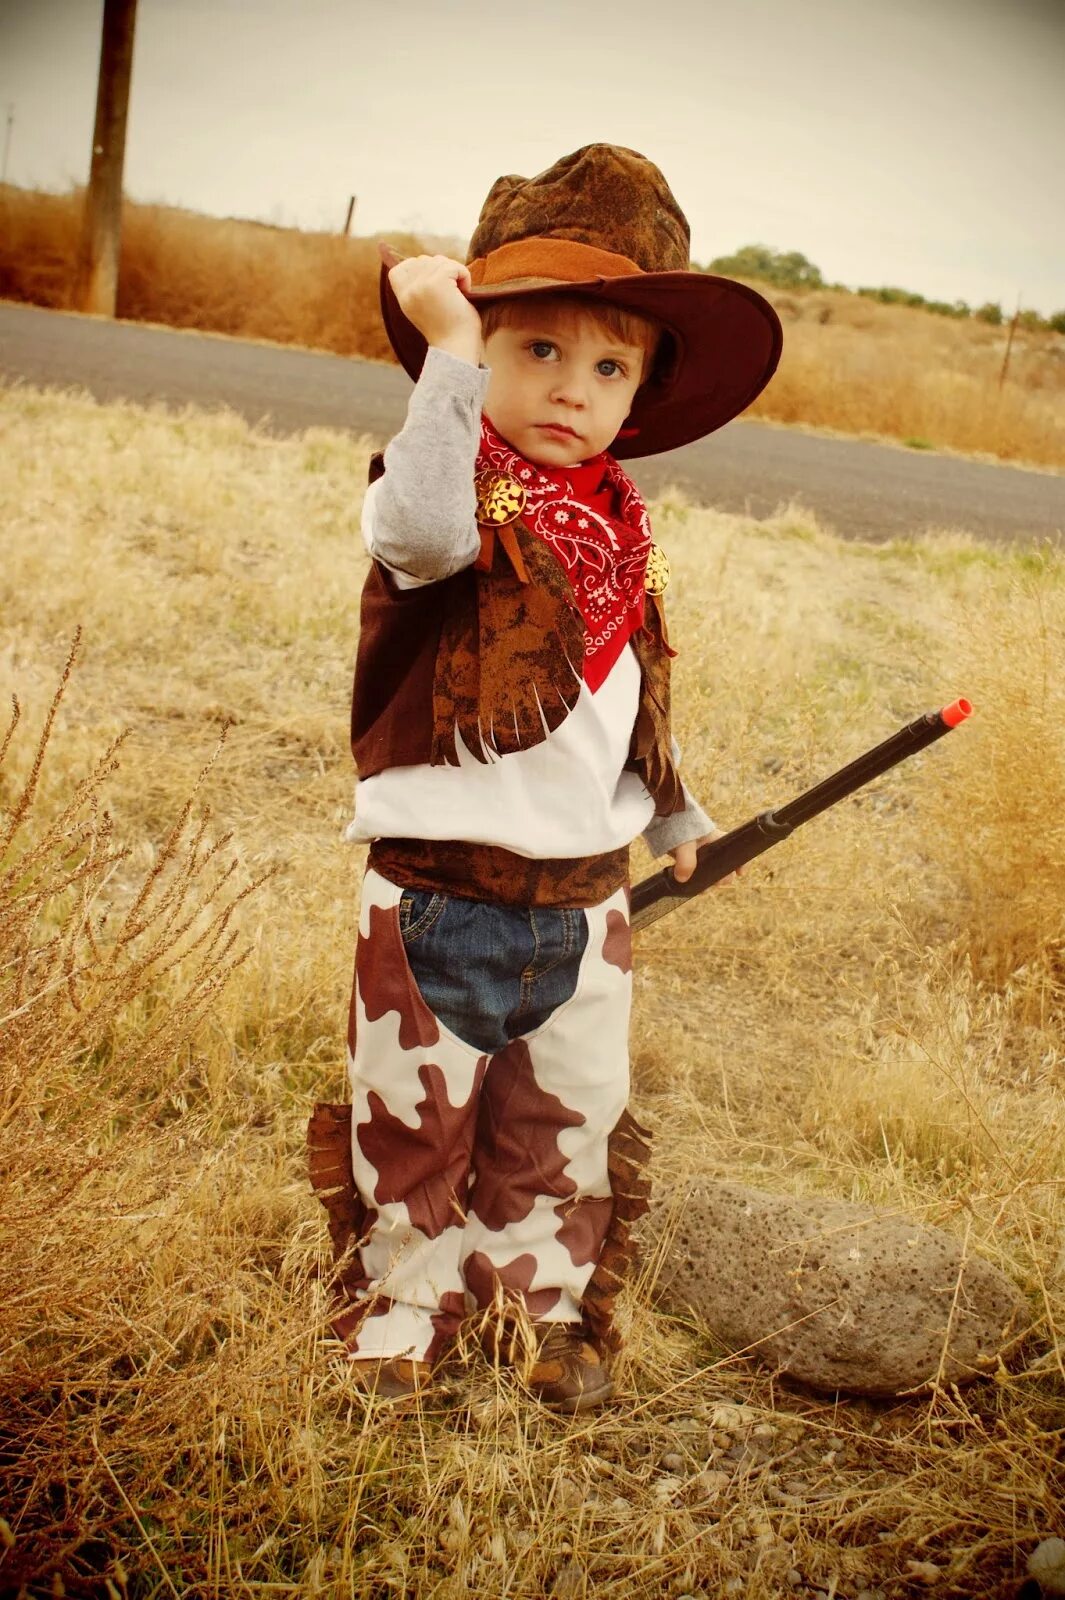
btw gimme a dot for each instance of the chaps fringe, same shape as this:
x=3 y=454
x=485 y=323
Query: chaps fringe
x=628 y=1153
x=329 y=1165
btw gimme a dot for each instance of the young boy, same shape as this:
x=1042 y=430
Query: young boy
x=510 y=724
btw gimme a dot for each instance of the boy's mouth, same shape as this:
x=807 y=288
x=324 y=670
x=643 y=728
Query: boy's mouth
x=559 y=428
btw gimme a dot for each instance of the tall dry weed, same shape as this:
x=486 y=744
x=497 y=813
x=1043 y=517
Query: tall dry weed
x=107 y=979
x=1006 y=830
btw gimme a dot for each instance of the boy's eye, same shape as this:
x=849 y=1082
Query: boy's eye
x=544 y=349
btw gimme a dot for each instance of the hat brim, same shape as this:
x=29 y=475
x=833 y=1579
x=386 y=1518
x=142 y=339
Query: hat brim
x=727 y=345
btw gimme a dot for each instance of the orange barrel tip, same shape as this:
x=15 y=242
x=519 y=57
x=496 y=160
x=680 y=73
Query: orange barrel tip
x=956 y=712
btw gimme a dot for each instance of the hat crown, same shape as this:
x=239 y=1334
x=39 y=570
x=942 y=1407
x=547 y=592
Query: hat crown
x=602 y=195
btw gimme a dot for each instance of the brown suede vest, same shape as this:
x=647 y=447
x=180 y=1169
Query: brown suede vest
x=495 y=657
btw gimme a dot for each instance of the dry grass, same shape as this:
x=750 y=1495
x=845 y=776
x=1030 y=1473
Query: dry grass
x=190 y=271
x=849 y=363
x=874 y=1011
x=860 y=367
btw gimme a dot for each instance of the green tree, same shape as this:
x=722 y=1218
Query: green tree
x=789 y=269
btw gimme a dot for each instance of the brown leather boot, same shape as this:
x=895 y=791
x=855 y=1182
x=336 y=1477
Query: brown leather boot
x=567 y=1373
x=392 y=1378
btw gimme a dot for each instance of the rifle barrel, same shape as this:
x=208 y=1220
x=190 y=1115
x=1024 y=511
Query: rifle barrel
x=660 y=893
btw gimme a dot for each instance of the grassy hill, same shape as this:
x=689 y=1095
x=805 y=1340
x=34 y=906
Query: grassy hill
x=849 y=363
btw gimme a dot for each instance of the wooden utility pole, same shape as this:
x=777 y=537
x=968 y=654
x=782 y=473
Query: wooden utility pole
x=96 y=279
x=1009 y=344
x=7 y=142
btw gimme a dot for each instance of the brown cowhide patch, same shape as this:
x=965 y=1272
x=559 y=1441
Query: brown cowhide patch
x=584 y=1227
x=516 y=1148
x=513 y=1278
x=446 y=1320
x=426 y=1167
x=385 y=981
x=617 y=946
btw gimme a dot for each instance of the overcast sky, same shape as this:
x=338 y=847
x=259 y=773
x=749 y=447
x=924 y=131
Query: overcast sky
x=914 y=142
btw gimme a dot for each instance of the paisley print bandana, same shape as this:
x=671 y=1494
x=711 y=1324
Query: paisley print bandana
x=593 y=519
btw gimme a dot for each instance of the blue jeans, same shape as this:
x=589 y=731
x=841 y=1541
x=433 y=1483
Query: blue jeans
x=491 y=973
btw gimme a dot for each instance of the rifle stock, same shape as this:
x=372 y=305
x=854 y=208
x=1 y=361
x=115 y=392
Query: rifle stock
x=659 y=894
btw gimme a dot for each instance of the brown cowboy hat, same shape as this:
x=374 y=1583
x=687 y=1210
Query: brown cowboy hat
x=603 y=223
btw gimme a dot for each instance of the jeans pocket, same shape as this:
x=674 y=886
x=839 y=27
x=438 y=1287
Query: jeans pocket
x=462 y=963
x=419 y=910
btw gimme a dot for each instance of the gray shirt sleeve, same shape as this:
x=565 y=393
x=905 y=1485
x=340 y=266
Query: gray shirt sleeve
x=666 y=833
x=663 y=834
x=419 y=519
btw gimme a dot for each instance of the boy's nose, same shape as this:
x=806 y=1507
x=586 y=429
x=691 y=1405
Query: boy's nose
x=569 y=388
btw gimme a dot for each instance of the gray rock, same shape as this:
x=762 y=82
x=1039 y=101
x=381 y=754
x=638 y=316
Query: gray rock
x=838 y=1295
x=569 y=1580
x=1047 y=1565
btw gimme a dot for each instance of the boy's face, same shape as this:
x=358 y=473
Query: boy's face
x=561 y=385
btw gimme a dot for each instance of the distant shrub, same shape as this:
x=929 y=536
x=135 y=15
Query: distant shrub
x=947 y=308
x=788 y=268
x=1031 y=321
x=889 y=295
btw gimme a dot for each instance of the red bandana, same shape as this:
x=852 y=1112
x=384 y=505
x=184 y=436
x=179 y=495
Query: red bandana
x=592 y=517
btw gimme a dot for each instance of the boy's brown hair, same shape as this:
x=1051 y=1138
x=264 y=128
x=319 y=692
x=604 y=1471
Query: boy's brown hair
x=630 y=327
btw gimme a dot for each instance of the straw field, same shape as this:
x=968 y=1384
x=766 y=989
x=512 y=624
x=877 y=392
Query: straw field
x=874 y=1011
x=849 y=363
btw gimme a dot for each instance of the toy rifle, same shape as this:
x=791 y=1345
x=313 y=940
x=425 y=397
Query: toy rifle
x=659 y=894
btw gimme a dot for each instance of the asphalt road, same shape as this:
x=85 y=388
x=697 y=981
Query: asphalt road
x=862 y=490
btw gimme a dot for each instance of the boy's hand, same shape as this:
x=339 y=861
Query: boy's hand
x=429 y=291
x=684 y=857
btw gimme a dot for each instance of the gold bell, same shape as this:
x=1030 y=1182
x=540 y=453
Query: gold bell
x=500 y=498
x=656 y=578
